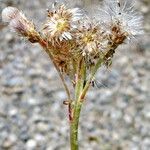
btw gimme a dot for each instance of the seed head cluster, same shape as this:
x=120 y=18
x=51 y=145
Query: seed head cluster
x=69 y=35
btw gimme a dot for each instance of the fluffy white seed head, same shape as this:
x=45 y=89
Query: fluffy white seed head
x=122 y=12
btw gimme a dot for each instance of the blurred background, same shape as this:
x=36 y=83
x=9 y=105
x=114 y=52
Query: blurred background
x=116 y=115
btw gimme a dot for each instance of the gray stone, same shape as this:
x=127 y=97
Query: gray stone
x=31 y=144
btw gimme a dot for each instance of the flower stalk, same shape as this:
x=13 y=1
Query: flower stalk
x=74 y=124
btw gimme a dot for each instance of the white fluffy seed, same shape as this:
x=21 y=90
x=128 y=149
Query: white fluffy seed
x=9 y=13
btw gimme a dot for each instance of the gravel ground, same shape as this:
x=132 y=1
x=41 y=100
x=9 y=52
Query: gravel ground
x=116 y=115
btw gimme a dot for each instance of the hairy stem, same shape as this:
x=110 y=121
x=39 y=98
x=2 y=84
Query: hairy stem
x=74 y=128
x=74 y=124
x=81 y=91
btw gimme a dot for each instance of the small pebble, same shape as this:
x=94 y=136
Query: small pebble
x=31 y=144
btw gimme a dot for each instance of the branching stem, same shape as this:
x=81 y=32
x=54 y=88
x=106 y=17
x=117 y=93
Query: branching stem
x=44 y=45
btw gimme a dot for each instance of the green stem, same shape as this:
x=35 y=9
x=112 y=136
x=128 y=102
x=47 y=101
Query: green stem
x=80 y=95
x=87 y=85
x=74 y=127
x=77 y=106
x=80 y=92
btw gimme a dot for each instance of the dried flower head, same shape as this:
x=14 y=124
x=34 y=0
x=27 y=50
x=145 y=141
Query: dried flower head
x=91 y=40
x=19 y=23
x=61 y=23
x=88 y=38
